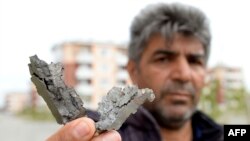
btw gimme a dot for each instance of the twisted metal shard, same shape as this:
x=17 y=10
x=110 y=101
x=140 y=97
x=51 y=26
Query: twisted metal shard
x=66 y=105
x=118 y=104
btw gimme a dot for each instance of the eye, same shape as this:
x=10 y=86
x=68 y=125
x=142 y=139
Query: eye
x=163 y=58
x=196 y=60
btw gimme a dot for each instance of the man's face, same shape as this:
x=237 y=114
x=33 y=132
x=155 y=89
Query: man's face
x=176 y=74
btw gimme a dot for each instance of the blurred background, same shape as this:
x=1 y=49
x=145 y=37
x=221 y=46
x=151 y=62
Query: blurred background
x=90 y=38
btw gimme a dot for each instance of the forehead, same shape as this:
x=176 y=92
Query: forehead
x=179 y=43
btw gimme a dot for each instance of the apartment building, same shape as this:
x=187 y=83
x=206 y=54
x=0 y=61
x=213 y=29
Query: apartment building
x=228 y=78
x=92 y=68
x=15 y=102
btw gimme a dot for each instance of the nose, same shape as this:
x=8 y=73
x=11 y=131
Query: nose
x=181 y=70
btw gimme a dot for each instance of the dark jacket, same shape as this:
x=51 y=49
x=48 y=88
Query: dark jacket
x=141 y=126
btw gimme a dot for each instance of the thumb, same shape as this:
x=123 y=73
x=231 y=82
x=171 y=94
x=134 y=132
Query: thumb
x=81 y=129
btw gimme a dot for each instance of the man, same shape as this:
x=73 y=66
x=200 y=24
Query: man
x=168 y=52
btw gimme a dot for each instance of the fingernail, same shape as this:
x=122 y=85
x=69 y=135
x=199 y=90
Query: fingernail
x=81 y=130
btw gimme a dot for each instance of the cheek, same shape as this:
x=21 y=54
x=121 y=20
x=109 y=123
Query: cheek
x=153 y=78
x=199 y=80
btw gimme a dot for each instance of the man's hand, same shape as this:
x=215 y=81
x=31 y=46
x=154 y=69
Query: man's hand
x=83 y=129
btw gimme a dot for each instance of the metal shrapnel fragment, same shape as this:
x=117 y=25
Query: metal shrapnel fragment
x=66 y=105
x=118 y=104
x=63 y=101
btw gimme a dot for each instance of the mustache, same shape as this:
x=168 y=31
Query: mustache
x=177 y=86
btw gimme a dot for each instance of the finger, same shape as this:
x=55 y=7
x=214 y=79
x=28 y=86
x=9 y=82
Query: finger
x=81 y=129
x=108 y=136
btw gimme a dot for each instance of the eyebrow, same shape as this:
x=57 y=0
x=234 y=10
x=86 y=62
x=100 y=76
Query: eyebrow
x=165 y=52
x=174 y=53
x=197 y=55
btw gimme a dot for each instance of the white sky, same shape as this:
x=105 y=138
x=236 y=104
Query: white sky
x=29 y=27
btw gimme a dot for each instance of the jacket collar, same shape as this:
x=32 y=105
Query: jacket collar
x=204 y=128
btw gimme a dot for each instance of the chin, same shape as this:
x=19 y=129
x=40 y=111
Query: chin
x=176 y=111
x=173 y=117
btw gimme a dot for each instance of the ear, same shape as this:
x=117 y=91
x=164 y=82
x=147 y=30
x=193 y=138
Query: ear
x=133 y=71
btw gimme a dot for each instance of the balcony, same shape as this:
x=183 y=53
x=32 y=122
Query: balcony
x=84 y=89
x=84 y=57
x=84 y=72
x=121 y=59
x=122 y=75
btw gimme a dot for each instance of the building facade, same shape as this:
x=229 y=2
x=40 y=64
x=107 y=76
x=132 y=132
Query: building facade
x=92 y=68
x=15 y=102
x=227 y=79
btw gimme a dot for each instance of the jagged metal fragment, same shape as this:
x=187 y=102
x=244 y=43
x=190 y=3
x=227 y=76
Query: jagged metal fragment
x=66 y=105
x=118 y=104
x=63 y=101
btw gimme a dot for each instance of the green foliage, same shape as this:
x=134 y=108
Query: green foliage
x=40 y=113
x=208 y=101
x=235 y=102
